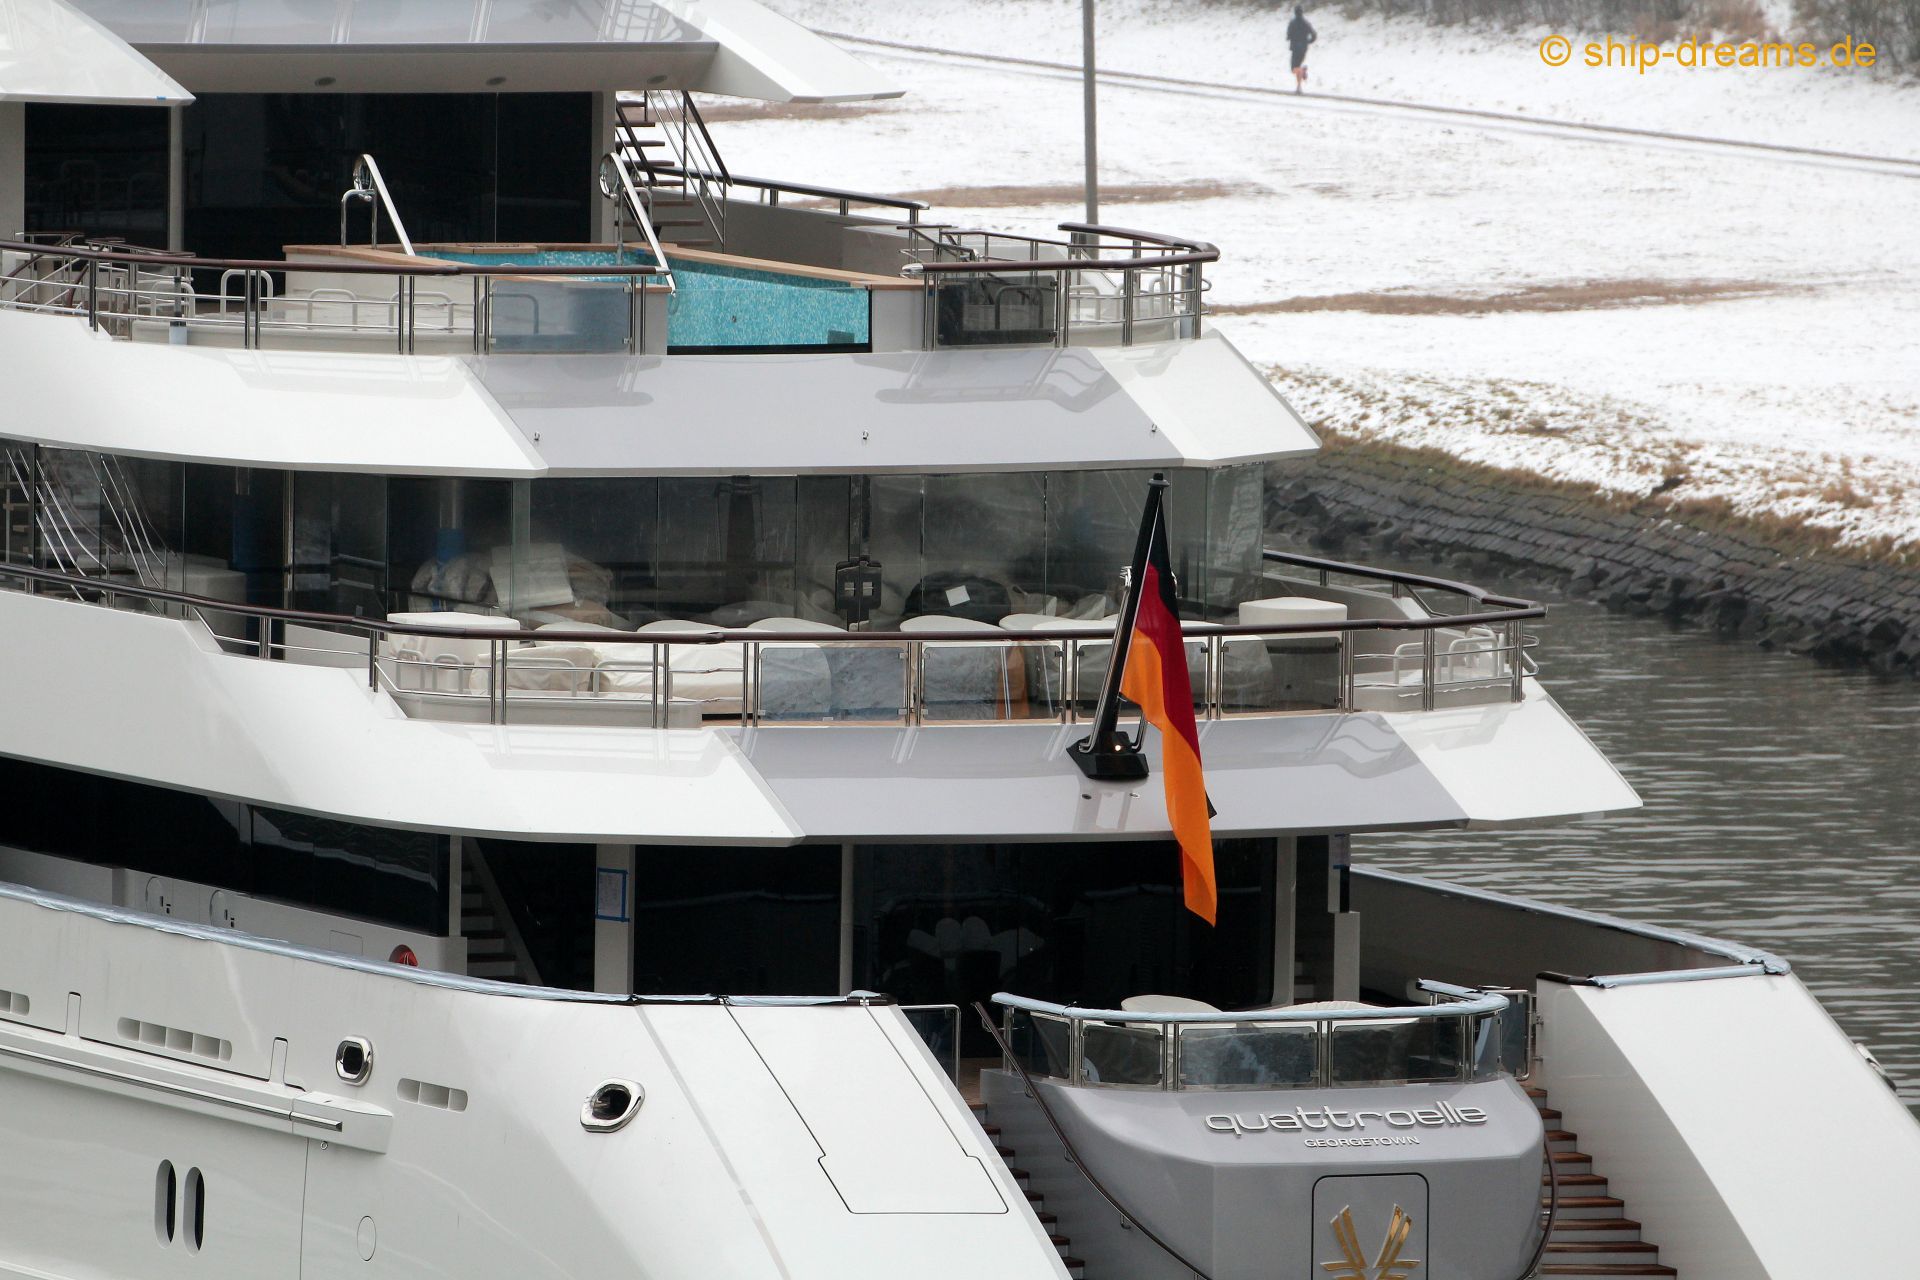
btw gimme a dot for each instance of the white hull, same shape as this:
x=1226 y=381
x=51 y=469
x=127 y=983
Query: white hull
x=463 y=1155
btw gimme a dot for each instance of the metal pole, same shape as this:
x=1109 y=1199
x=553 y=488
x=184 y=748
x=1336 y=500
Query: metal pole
x=1087 y=97
x=176 y=179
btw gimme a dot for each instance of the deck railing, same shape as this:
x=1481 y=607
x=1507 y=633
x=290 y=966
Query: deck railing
x=122 y=292
x=1100 y=286
x=1105 y=285
x=1458 y=1037
x=467 y=669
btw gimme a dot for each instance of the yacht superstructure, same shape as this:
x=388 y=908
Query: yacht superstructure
x=539 y=677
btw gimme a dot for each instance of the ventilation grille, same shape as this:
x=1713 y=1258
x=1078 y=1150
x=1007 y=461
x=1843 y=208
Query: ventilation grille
x=175 y=1040
x=433 y=1095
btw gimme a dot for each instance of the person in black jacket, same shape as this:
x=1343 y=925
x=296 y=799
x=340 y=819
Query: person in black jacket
x=1300 y=34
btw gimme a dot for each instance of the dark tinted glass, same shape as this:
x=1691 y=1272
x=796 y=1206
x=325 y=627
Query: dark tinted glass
x=371 y=873
x=375 y=873
x=101 y=171
x=549 y=889
x=736 y=921
x=1086 y=923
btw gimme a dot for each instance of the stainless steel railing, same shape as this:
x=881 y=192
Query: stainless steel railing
x=461 y=669
x=1458 y=1038
x=1105 y=285
x=370 y=188
x=156 y=296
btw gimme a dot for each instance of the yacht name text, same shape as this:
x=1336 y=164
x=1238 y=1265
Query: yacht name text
x=1327 y=1119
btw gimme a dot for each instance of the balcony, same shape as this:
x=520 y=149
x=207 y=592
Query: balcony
x=1324 y=638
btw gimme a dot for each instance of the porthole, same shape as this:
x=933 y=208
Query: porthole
x=611 y=1105
x=353 y=1060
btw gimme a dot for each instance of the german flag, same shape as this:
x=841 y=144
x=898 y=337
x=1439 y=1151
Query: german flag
x=1154 y=678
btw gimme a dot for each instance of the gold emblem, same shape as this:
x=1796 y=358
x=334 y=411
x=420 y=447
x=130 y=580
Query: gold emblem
x=1389 y=1265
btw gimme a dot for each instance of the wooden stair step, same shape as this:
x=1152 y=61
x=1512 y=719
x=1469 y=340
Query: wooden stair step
x=1597 y=1270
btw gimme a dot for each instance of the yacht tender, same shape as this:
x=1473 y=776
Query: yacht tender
x=443 y=600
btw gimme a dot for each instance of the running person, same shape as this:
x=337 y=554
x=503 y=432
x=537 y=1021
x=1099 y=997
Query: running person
x=1300 y=34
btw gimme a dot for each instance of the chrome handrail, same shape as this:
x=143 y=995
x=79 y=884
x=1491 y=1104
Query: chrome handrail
x=774 y=188
x=369 y=186
x=625 y=193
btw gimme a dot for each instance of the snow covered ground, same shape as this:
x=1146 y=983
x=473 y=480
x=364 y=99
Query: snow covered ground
x=1708 y=323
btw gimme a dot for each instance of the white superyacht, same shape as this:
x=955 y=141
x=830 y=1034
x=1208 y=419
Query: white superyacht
x=540 y=681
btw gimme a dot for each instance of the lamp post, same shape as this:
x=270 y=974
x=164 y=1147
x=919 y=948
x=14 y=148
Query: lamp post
x=1087 y=98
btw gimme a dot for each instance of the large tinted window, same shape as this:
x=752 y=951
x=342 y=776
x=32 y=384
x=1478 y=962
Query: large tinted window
x=736 y=921
x=549 y=888
x=100 y=171
x=370 y=873
x=1086 y=923
x=266 y=170
x=373 y=872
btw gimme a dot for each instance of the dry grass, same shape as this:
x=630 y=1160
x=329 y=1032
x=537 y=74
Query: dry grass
x=1586 y=295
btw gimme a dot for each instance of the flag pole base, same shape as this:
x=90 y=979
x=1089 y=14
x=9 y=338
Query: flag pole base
x=1120 y=761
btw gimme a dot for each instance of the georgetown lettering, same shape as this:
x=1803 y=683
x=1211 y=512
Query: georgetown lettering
x=1326 y=1119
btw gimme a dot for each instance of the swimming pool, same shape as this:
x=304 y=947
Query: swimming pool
x=717 y=307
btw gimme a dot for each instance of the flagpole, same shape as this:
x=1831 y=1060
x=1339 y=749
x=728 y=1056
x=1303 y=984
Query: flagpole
x=1107 y=754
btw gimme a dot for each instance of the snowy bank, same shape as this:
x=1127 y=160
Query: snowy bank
x=1722 y=327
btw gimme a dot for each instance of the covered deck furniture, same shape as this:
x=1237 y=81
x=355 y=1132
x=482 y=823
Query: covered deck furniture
x=442 y=664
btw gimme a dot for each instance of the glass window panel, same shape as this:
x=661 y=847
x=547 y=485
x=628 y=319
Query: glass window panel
x=376 y=873
x=101 y=171
x=1246 y=1057
x=1087 y=923
x=1235 y=529
x=444 y=536
x=1041 y=1042
x=1400 y=1049
x=1123 y=1055
x=984 y=546
x=549 y=889
x=339 y=542
x=737 y=921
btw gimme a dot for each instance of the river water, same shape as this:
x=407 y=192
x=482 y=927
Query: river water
x=1781 y=811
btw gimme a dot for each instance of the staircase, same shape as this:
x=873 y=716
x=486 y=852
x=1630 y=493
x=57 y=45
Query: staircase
x=1075 y=1267
x=663 y=145
x=1592 y=1237
x=489 y=931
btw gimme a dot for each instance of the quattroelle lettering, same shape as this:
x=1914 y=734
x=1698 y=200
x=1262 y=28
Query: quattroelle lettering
x=1337 y=1120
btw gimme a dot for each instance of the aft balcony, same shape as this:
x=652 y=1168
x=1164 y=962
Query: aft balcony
x=1322 y=638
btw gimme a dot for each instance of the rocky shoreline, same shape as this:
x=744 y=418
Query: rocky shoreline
x=1716 y=572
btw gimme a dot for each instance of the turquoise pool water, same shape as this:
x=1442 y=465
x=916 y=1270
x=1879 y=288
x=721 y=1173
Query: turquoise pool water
x=716 y=307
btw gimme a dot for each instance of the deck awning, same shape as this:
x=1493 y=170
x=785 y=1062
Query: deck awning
x=736 y=47
x=51 y=52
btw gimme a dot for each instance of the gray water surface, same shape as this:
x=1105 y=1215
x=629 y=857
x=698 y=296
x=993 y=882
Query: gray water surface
x=1780 y=812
